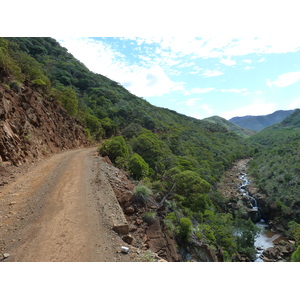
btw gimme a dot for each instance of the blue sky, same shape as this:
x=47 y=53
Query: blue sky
x=200 y=76
x=198 y=57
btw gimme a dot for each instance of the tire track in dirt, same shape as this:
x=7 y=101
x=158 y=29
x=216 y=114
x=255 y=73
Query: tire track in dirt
x=61 y=211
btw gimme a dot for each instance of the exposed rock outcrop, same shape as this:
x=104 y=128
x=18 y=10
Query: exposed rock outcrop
x=142 y=234
x=32 y=126
x=195 y=250
x=279 y=252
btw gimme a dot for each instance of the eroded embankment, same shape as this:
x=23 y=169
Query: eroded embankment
x=32 y=126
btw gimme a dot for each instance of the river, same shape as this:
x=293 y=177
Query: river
x=266 y=237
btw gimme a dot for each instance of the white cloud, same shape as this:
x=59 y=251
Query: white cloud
x=220 y=46
x=206 y=108
x=192 y=102
x=197 y=115
x=284 y=80
x=238 y=91
x=294 y=104
x=263 y=59
x=228 y=62
x=243 y=91
x=189 y=102
x=257 y=107
x=145 y=80
x=151 y=75
x=201 y=111
x=248 y=68
x=202 y=90
x=151 y=82
x=212 y=73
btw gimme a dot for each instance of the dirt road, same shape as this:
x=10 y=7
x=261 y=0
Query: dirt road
x=60 y=211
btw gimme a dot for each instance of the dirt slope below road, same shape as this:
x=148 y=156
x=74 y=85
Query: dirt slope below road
x=61 y=210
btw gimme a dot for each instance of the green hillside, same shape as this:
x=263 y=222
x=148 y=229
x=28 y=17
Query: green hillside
x=230 y=126
x=276 y=167
x=177 y=159
x=108 y=109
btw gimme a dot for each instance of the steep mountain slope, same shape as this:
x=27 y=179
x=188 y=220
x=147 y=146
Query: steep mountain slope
x=276 y=167
x=257 y=123
x=230 y=126
x=177 y=159
x=106 y=108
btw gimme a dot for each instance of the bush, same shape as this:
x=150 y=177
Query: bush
x=68 y=99
x=189 y=182
x=206 y=233
x=294 y=231
x=149 y=217
x=138 y=167
x=94 y=125
x=8 y=66
x=296 y=255
x=142 y=194
x=185 y=229
x=113 y=148
x=246 y=231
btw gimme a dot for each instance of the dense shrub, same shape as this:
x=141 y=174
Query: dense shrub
x=8 y=66
x=113 y=148
x=296 y=255
x=138 y=167
x=142 y=194
x=149 y=217
x=68 y=99
x=294 y=231
x=245 y=233
x=185 y=229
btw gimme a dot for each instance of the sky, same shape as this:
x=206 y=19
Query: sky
x=201 y=76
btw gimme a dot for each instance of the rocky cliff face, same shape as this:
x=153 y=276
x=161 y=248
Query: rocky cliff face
x=32 y=126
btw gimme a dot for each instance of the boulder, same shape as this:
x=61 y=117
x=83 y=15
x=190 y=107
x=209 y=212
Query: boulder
x=121 y=228
x=128 y=239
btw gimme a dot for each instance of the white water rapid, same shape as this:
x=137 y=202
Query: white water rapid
x=265 y=238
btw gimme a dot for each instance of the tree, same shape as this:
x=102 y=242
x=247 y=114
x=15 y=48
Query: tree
x=138 y=167
x=193 y=189
x=296 y=255
x=294 y=231
x=114 y=147
x=185 y=228
x=151 y=148
x=94 y=125
x=245 y=232
x=69 y=100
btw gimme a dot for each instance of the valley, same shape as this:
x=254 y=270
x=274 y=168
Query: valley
x=164 y=185
x=244 y=198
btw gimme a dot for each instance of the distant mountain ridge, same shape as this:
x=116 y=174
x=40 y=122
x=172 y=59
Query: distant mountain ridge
x=230 y=126
x=257 y=123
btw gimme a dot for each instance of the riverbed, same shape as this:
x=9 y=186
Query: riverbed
x=236 y=184
x=266 y=238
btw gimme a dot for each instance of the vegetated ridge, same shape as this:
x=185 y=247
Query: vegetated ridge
x=257 y=123
x=276 y=167
x=244 y=132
